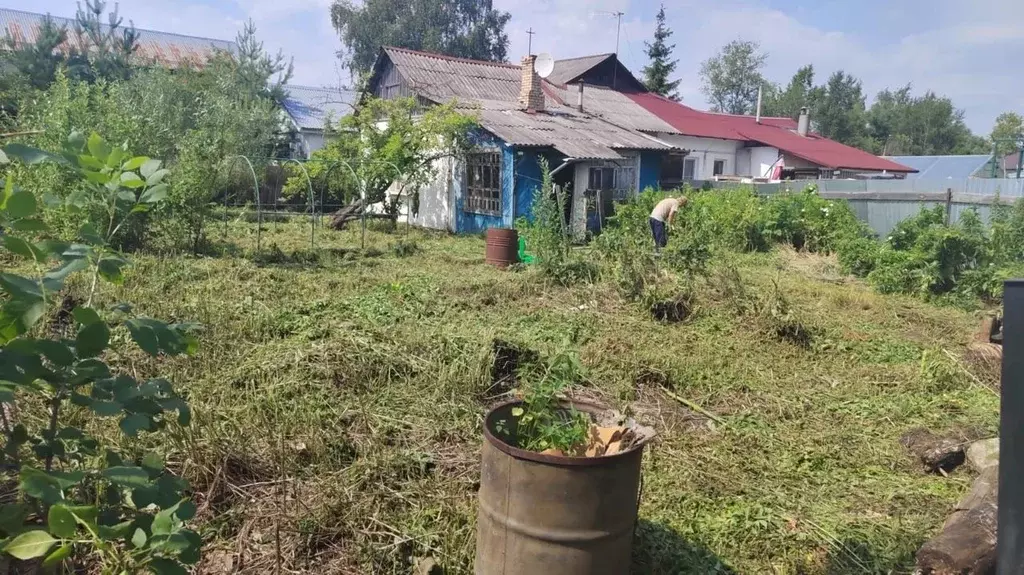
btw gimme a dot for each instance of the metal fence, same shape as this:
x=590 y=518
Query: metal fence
x=885 y=203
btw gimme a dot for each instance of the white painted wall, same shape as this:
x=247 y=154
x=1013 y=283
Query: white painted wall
x=435 y=209
x=706 y=151
x=762 y=158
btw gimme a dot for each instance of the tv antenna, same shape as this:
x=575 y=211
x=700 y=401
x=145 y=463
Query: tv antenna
x=618 y=27
x=544 y=65
x=529 y=49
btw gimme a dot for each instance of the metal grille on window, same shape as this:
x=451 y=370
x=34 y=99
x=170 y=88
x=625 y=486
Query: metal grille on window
x=483 y=183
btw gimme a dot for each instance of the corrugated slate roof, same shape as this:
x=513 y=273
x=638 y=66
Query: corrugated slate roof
x=775 y=132
x=492 y=91
x=162 y=48
x=570 y=69
x=576 y=136
x=943 y=167
x=614 y=106
x=311 y=107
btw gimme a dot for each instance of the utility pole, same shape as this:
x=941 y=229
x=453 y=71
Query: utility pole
x=529 y=49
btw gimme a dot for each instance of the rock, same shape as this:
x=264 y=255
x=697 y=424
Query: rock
x=937 y=454
x=427 y=566
x=983 y=454
x=967 y=543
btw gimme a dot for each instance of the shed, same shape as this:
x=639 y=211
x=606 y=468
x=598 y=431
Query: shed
x=310 y=109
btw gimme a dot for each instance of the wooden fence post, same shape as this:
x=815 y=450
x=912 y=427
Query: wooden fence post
x=949 y=205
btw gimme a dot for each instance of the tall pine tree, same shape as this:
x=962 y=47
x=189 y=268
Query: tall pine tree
x=657 y=73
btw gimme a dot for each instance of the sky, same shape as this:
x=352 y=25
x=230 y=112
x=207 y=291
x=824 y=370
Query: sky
x=969 y=50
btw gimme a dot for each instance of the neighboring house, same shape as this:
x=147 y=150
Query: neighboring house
x=522 y=119
x=747 y=147
x=155 y=48
x=1010 y=165
x=310 y=110
x=946 y=167
x=719 y=146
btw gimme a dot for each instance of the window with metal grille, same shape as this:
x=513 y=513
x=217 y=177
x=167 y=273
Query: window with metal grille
x=483 y=183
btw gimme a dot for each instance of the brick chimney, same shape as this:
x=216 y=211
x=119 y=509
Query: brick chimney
x=531 y=97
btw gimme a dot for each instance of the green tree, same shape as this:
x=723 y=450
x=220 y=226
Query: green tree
x=839 y=112
x=463 y=28
x=731 y=78
x=104 y=49
x=656 y=74
x=260 y=73
x=800 y=92
x=901 y=123
x=1007 y=133
x=385 y=143
x=36 y=63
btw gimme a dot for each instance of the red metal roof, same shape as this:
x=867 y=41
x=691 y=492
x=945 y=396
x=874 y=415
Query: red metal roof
x=775 y=132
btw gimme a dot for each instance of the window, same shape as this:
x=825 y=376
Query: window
x=690 y=168
x=671 y=170
x=719 y=168
x=601 y=179
x=483 y=183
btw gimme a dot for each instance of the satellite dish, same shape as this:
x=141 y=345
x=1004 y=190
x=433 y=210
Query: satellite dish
x=544 y=65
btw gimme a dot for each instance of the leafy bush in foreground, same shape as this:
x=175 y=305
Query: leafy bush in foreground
x=76 y=492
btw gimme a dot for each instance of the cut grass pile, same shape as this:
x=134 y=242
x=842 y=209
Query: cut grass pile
x=339 y=395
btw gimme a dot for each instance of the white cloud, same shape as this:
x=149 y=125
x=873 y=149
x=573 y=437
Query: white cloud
x=970 y=53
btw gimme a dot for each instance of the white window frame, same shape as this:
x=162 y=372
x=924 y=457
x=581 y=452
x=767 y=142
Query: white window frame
x=693 y=172
x=725 y=167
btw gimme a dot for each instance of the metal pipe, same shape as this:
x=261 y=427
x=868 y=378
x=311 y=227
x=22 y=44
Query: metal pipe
x=579 y=99
x=1010 y=549
x=565 y=163
x=758 y=117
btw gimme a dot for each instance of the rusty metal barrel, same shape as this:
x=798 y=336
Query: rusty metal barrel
x=546 y=515
x=502 y=247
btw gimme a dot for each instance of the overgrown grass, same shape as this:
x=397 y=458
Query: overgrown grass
x=339 y=395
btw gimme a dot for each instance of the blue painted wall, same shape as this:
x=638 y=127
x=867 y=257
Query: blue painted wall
x=650 y=170
x=470 y=222
x=528 y=177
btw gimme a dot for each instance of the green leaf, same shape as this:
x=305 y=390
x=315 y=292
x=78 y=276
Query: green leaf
x=67 y=268
x=101 y=178
x=162 y=566
x=153 y=461
x=139 y=538
x=517 y=412
x=91 y=369
x=132 y=181
x=144 y=337
x=150 y=167
x=114 y=159
x=134 y=163
x=61 y=522
x=28 y=154
x=12 y=517
x=106 y=408
x=21 y=205
x=86 y=315
x=59 y=554
x=155 y=194
x=28 y=225
x=134 y=423
x=186 y=510
x=21 y=288
x=89 y=234
x=164 y=523
x=190 y=556
x=56 y=352
x=127 y=476
x=85 y=514
x=92 y=339
x=25 y=249
x=110 y=269
x=3 y=158
x=156 y=177
x=98 y=147
x=30 y=545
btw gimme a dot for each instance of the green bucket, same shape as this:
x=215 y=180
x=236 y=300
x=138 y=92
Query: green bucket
x=523 y=256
